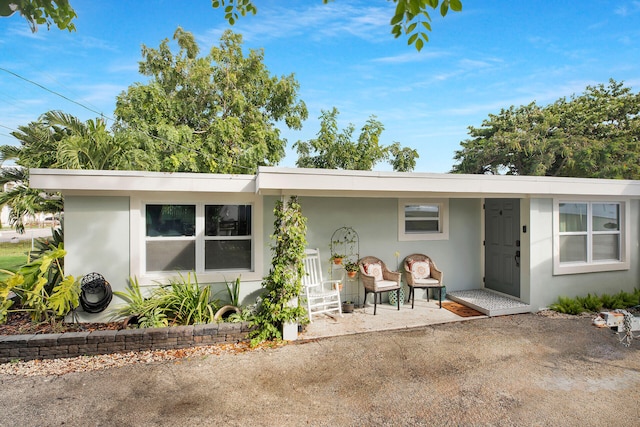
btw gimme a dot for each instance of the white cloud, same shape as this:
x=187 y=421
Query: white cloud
x=315 y=21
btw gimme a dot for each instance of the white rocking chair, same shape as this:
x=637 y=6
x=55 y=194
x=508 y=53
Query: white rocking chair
x=323 y=296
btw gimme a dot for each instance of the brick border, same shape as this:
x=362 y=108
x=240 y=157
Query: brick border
x=72 y=344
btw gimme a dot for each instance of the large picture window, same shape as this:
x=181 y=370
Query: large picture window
x=590 y=236
x=423 y=219
x=198 y=237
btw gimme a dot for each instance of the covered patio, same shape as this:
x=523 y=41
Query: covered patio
x=425 y=313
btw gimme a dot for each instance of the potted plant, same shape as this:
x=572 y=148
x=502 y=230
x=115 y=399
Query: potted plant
x=351 y=268
x=337 y=258
x=348 y=306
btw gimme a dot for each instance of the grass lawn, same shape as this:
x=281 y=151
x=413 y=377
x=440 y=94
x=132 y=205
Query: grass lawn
x=13 y=255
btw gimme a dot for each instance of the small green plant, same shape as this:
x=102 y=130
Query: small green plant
x=613 y=302
x=595 y=303
x=136 y=304
x=590 y=302
x=43 y=290
x=154 y=318
x=186 y=302
x=182 y=302
x=337 y=258
x=351 y=266
x=233 y=291
x=246 y=315
x=567 y=305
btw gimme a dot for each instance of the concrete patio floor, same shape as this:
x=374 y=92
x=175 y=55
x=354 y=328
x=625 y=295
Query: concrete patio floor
x=488 y=302
x=387 y=318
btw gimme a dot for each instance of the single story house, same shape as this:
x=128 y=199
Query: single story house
x=532 y=238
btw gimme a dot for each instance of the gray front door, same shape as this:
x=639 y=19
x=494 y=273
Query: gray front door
x=502 y=245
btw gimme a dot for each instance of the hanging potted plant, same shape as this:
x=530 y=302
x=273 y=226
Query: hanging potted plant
x=351 y=268
x=337 y=258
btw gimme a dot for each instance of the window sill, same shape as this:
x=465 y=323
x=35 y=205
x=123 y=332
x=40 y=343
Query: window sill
x=579 y=268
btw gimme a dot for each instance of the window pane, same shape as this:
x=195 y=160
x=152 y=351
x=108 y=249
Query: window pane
x=227 y=254
x=227 y=220
x=421 y=227
x=573 y=217
x=171 y=255
x=606 y=216
x=573 y=248
x=171 y=220
x=422 y=211
x=606 y=247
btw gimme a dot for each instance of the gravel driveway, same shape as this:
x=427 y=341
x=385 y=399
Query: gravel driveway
x=503 y=371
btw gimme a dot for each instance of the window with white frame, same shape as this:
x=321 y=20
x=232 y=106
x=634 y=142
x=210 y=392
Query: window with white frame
x=590 y=236
x=198 y=237
x=425 y=219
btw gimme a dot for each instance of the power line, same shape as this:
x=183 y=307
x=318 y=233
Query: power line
x=51 y=91
x=11 y=129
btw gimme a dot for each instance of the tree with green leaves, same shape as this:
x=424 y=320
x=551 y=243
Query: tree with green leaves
x=215 y=113
x=38 y=12
x=55 y=140
x=596 y=134
x=60 y=140
x=23 y=200
x=335 y=149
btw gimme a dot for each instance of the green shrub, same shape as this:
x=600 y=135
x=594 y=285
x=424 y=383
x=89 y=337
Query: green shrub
x=590 y=302
x=44 y=292
x=621 y=300
x=145 y=310
x=185 y=302
x=567 y=305
x=613 y=302
x=182 y=302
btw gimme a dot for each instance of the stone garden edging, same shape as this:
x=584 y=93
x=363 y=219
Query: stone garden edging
x=73 y=344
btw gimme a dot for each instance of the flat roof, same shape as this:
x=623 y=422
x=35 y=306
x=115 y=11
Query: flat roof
x=326 y=182
x=272 y=180
x=121 y=182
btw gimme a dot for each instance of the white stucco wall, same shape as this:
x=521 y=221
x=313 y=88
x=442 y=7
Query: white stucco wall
x=97 y=240
x=97 y=237
x=376 y=222
x=545 y=287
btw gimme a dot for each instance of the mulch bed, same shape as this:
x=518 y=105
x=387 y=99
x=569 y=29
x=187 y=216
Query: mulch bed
x=19 y=323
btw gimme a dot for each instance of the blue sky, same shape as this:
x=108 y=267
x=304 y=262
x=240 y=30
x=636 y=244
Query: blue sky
x=490 y=56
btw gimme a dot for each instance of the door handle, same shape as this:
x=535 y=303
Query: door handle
x=517 y=258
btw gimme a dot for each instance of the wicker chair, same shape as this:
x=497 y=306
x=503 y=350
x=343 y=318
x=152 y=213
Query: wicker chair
x=378 y=283
x=430 y=277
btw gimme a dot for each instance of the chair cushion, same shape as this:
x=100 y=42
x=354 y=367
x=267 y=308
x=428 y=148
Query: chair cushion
x=382 y=285
x=374 y=269
x=425 y=282
x=420 y=270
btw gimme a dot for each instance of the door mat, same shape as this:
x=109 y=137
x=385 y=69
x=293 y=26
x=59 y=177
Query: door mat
x=461 y=310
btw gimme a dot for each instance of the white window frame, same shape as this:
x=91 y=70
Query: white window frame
x=443 y=220
x=138 y=244
x=591 y=266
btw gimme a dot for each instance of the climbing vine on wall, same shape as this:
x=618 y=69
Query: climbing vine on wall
x=284 y=282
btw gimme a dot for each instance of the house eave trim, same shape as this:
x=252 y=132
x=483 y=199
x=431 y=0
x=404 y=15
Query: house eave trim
x=100 y=181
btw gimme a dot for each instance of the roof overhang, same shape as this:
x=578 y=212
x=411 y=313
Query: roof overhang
x=325 y=182
x=125 y=182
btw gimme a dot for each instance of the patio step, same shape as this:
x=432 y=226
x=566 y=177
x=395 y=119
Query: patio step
x=489 y=302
